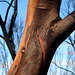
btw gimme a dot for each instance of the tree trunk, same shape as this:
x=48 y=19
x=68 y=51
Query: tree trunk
x=44 y=31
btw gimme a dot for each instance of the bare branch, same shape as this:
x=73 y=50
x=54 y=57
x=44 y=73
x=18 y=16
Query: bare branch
x=8 y=11
x=71 y=42
x=63 y=68
x=7 y=3
x=1 y=21
x=68 y=42
x=1 y=36
x=7 y=39
x=13 y=19
x=3 y=27
x=70 y=38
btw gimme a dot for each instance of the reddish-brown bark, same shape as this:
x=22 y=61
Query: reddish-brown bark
x=44 y=31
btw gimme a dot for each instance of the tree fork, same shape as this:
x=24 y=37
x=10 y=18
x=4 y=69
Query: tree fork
x=12 y=51
x=44 y=31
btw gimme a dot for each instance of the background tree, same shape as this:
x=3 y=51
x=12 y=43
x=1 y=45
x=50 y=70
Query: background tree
x=7 y=39
x=8 y=35
x=4 y=53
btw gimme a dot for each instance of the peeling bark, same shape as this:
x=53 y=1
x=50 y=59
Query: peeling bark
x=44 y=31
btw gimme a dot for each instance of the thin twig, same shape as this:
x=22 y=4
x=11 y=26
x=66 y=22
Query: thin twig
x=68 y=42
x=7 y=3
x=70 y=39
x=63 y=68
x=71 y=42
x=3 y=38
x=10 y=32
x=8 y=11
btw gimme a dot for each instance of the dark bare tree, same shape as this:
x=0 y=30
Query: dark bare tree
x=8 y=35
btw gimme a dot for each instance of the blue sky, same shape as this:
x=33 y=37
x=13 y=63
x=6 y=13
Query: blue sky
x=22 y=9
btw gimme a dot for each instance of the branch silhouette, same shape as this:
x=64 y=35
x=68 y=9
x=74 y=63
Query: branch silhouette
x=8 y=11
x=63 y=68
x=7 y=3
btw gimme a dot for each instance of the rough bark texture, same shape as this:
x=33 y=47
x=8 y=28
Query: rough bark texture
x=44 y=31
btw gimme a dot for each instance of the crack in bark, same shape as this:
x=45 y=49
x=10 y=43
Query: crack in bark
x=43 y=51
x=28 y=40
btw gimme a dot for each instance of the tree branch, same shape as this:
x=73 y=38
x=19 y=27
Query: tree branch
x=68 y=42
x=8 y=12
x=71 y=41
x=13 y=20
x=2 y=25
x=58 y=33
x=12 y=51
x=7 y=3
x=63 y=68
x=2 y=37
